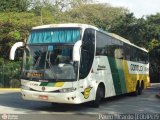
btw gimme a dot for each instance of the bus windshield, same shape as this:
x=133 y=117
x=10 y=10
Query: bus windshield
x=51 y=62
x=48 y=54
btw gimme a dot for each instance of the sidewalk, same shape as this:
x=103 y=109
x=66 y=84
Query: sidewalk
x=6 y=90
x=155 y=85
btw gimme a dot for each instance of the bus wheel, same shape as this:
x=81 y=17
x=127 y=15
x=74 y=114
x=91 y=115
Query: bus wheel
x=141 y=88
x=137 y=89
x=99 y=96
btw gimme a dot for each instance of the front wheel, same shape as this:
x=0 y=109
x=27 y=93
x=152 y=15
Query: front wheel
x=99 y=96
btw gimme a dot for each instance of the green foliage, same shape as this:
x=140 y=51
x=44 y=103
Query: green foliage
x=153 y=44
x=100 y=15
x=14 y=5
x=126 y=26
x=15 y=34
x=139 y=31
x=8 y=71
x=14 y=83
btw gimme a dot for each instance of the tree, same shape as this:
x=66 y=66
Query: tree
x=14 y=5
x=123 y=26
x=154 y=46
x=154 y=27
x=64 y=5
x=100 y=15
x=139 y=31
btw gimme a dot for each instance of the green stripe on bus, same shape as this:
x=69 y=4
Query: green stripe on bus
x=121 y=76
x=115 y=75
x=44 y=84
x=48 y=84
x=51 y=84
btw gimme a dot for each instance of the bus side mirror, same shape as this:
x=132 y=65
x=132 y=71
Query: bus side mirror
x=76 y=50
x=14 y=48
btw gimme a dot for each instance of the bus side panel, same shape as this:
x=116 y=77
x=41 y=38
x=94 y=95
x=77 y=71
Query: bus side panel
x=102 y=73
x=131 y=78
x=121 y=75
x=124 y=80
x=118 y=74
x=108 y=78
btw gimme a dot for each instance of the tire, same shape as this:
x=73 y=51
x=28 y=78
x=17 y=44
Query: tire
x=141 y=88
x=137 y=92
x=99 y=96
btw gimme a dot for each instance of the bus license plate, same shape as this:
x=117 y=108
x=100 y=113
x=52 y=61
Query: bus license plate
x=43 y=97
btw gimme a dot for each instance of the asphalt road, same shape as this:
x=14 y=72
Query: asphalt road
x=12 y=105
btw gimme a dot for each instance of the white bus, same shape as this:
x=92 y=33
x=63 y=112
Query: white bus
x=77 y=63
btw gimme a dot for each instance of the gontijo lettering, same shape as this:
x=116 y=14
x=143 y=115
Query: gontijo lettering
x=134 y=67
x=140 y=68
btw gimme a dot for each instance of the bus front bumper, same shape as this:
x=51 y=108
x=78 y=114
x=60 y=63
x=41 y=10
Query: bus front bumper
x=70 y=98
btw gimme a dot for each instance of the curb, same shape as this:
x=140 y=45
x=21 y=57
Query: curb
x=10 y=89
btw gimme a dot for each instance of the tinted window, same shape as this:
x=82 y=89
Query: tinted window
x=102 y=42
x=128 y=51
x=137 y=55
x=108 y=46
x=87 y=52
x=111 y=47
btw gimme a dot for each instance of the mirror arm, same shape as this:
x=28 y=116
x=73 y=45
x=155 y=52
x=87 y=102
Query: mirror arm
x=14 y=48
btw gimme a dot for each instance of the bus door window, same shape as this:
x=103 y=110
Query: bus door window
x=87 y=52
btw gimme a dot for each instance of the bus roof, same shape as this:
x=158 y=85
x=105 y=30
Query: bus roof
x=88 y=26
x=65 y=25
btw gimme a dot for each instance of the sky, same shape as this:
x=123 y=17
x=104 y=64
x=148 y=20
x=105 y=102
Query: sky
x=140 y=8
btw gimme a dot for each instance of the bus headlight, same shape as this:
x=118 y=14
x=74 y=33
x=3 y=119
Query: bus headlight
x=65 y=90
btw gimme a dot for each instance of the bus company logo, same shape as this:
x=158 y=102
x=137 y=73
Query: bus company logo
x=4 y=116
x=33 y=84
x=101 y=67
x=86 y=92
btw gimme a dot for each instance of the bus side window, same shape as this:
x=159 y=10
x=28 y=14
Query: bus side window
x=100 y=43
x=119 y=53
x=133 y=54
x=127 y=51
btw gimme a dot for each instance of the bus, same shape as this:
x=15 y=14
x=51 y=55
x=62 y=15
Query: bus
x=78 y=63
